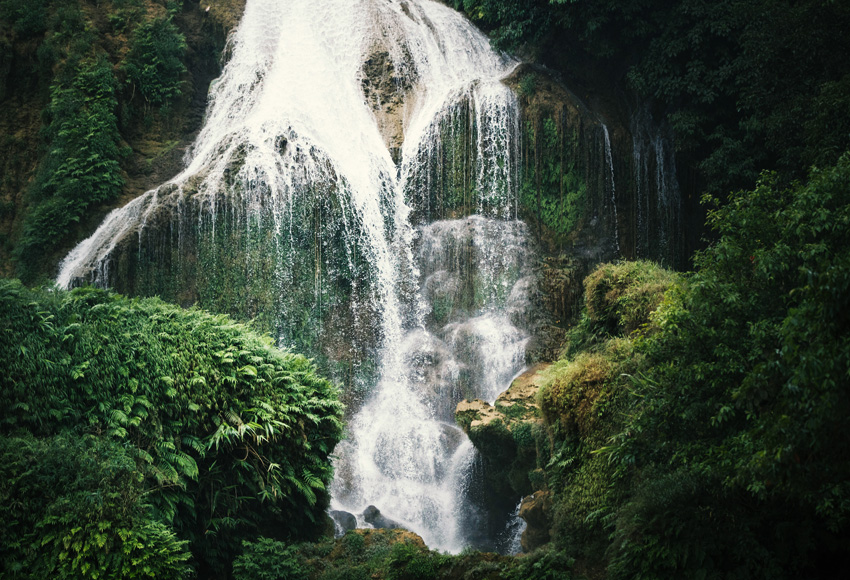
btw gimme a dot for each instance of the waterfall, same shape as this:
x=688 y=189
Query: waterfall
x=658 y=202
x=513 y=532
x=355 y=186
x=609 y=159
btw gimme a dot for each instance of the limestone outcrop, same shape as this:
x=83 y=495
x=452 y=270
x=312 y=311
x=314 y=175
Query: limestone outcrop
x=507 y=435
x=536 y=511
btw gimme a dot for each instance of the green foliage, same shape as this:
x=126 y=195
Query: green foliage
x=552 y=189
x=268 y=559
x=126 y=13
x=74 y=508
x=231 y=436
x=154 y=63
x=411 y=562
x=742 y=405
x=81 y=168
x=747 y=84
x=26 y=17
x=712 y=443
x=513 y=22
x=542 y=564
x=620 y=297
x=381 y=554
x=583 y=402
x=527 y=86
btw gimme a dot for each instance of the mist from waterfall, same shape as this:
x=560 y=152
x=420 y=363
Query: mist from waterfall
x=377 y=133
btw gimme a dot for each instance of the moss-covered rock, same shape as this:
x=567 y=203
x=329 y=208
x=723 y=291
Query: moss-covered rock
x=508 y=434
x=620 y=297
x=536 y=510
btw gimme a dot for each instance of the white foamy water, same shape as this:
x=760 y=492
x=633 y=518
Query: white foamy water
x=288 y=118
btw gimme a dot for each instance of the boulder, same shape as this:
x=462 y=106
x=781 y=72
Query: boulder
x=536 y=511
x=374 y=516
x=345 y=521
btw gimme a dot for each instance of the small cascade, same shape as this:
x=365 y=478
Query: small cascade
x=657 y=199
x=511 y=538
x=609 y=159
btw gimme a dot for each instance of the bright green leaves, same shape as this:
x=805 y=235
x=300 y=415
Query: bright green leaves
x=214 y=419
x=552 y=188
x=73 y=508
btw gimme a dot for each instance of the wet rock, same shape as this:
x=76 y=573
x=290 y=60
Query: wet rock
x=386 y=82
x=345 y=521
x=536 y=511
x=505 y=436
x=374 y=516
x=516 y=405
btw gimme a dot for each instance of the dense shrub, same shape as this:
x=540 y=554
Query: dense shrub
x=231 y=435
x=712 y=442
x=74 y=507
x=26 y=17
x=82 y=167
x=268 y=559
x=154 y=63
x=620 y=297
x=738 y=432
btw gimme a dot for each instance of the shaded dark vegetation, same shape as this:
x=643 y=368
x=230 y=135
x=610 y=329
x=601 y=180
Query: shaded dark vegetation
x=724 y=450
x=746 y=85
x=695 y=425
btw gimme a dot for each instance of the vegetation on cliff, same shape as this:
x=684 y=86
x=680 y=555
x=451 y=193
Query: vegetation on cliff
x=747 y=85
x=694 y=426
x=98 y=101
x=697 y=423
x=135 y=432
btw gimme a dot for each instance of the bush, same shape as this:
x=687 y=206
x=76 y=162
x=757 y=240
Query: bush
x=268 y=559
x=542 y=564
x=739 y=415
x=620 y=297
x=154 y=63
x=73 y=508
x=202 y=405
x=27 y=17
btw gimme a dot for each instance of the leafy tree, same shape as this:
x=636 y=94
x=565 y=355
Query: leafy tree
x=154 y=64
x=26 y=17
x=742 y=406
x=746 y=84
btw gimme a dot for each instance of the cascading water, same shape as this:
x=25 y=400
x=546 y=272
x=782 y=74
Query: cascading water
x=609 y=159
x=338 y=133
x=658 y=202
